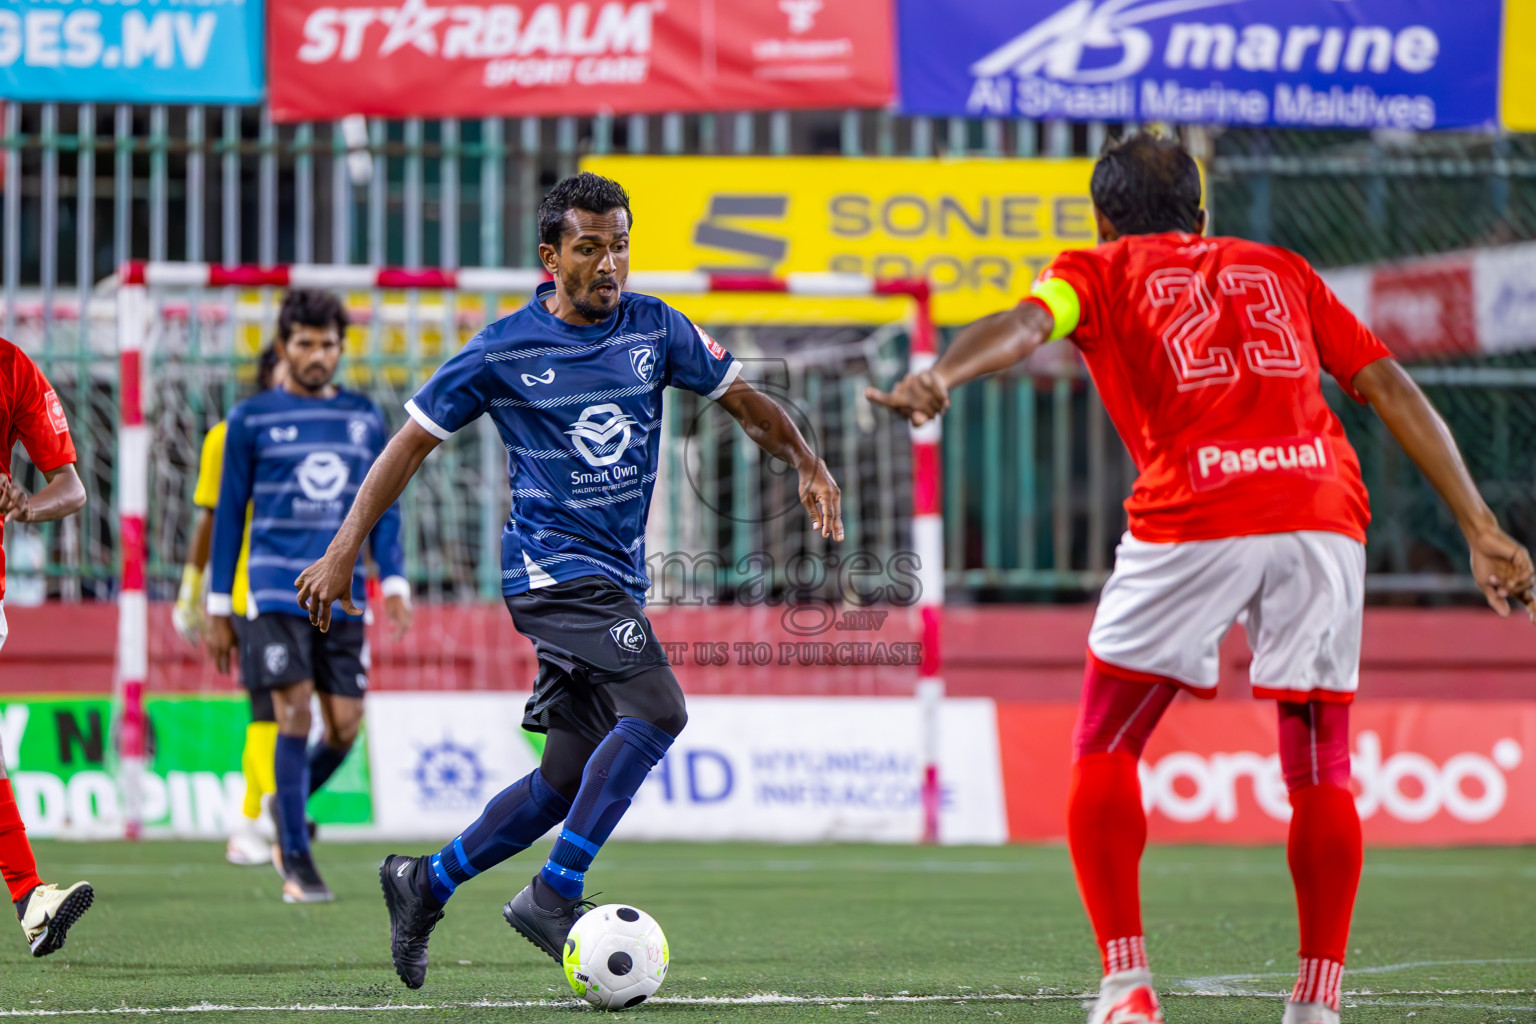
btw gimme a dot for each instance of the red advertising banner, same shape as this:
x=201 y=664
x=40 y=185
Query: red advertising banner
x=1425 y=772
x=477 y=58
x=1425 y=308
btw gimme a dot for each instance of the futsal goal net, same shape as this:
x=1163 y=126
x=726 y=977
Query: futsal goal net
x=726 y=530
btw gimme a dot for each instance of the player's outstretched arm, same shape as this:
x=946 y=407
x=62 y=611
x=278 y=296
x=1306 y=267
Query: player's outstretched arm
x=63 y=495
x=330 y=579
x=1501 y=566
x=775 y=433
x=988 y=345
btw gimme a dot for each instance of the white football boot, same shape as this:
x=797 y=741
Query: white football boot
x=48 y=912
x=246 y=847
x=1309 y=1013
x=1126 y=997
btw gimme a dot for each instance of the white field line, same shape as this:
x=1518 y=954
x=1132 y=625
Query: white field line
x=1392 y=998
x=1225 y=982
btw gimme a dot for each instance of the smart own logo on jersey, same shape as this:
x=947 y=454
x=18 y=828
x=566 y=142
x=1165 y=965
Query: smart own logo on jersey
x=323 y=476
x=602 y=425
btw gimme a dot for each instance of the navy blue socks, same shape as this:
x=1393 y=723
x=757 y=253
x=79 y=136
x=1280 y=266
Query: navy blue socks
x=291 y=768
x=324 y=759
x=515 y=817
x=612 y=777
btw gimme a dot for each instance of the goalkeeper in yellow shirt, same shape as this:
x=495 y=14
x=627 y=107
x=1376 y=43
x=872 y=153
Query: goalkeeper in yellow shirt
x=246 y=845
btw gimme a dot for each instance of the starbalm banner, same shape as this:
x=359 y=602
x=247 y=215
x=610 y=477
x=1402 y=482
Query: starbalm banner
x=476 y=58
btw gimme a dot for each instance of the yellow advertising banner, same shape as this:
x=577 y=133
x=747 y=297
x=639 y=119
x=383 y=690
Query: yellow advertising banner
x=978 y=230
x=1517 y=98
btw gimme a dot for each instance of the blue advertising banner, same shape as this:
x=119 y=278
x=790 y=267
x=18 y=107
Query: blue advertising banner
x=132 y=51
x=1407 y=64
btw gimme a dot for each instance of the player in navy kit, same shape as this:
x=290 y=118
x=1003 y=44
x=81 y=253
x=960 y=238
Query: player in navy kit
x=574 y=384
x=296 y=453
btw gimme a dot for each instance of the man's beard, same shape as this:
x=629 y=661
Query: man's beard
x=589 y=308
x=313 y=380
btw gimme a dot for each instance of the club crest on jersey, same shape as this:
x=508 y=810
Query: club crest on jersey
x=323 y=476
x=643 y=361
x=283 y=435
x=602 y=425
x=357 y=431
x=56 y=412
x=715 y=348
x=275 y=658
x=628 y=635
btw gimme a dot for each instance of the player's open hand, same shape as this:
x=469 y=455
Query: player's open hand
x=1501 y=566
x=398 y=611
x=821 y=497
x=919 y=397
x=221 y=641
x=328 y=580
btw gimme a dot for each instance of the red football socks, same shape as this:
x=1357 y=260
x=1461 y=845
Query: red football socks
x=16 y=860
x=1324 y=852
x=1107 y=832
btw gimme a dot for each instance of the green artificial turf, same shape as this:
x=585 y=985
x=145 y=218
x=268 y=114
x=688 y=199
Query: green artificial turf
x=1440 y=935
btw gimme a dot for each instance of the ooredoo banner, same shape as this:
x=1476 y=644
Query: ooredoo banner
x=472 y=58
x=1424 y=772
x=1361 y=64
x=143 y=51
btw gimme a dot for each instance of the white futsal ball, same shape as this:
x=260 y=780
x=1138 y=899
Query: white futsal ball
x=616 y=956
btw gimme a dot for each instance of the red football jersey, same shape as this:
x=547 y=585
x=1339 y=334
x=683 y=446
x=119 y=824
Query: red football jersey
x=30 y=412
x=1208 y=354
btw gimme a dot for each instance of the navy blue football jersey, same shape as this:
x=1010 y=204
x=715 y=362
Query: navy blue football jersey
x=578 y=409
x=299 y=462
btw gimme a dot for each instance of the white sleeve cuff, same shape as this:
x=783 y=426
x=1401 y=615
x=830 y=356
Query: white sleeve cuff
x=220 y=604
x=425 y=421
x=396 y=586
x=731 y=373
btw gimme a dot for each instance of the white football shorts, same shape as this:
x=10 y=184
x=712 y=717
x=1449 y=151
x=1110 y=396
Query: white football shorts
x=1299 y=596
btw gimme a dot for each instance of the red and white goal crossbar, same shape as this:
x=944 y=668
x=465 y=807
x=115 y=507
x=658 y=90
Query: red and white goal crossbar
x=136 y=278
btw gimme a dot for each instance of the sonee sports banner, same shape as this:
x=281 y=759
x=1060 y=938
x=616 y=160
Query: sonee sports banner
x=1362 y=64
x=476 y=58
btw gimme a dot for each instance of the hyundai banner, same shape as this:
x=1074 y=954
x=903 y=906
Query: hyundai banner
x=133 y=51
x=474 y=58
x=1362 y=64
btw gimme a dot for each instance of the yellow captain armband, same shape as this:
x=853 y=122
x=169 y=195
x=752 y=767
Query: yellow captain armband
x=1061 y=300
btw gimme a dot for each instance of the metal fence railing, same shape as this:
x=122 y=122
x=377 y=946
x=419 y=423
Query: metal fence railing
x=1033 y=472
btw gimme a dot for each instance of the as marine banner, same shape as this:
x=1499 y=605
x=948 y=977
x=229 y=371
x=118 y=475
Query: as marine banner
x=474 y=58
x=1361 y=64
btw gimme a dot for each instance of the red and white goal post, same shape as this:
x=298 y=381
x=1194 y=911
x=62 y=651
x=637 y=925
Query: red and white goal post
x=134 y=309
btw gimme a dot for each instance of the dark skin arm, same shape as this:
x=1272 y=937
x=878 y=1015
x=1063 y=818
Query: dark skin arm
x=330 y=579
x=988 y=345
x=202 y=539
x=1501 y=567
x=770 y=427
x=63 y=495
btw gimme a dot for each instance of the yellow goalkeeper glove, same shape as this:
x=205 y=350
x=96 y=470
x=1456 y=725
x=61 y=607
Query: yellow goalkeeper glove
x=187 y=615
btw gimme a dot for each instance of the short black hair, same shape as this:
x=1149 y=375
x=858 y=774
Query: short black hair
x=311 y=307
x=1147 y=183
x=585 y=191
x=266 y=367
